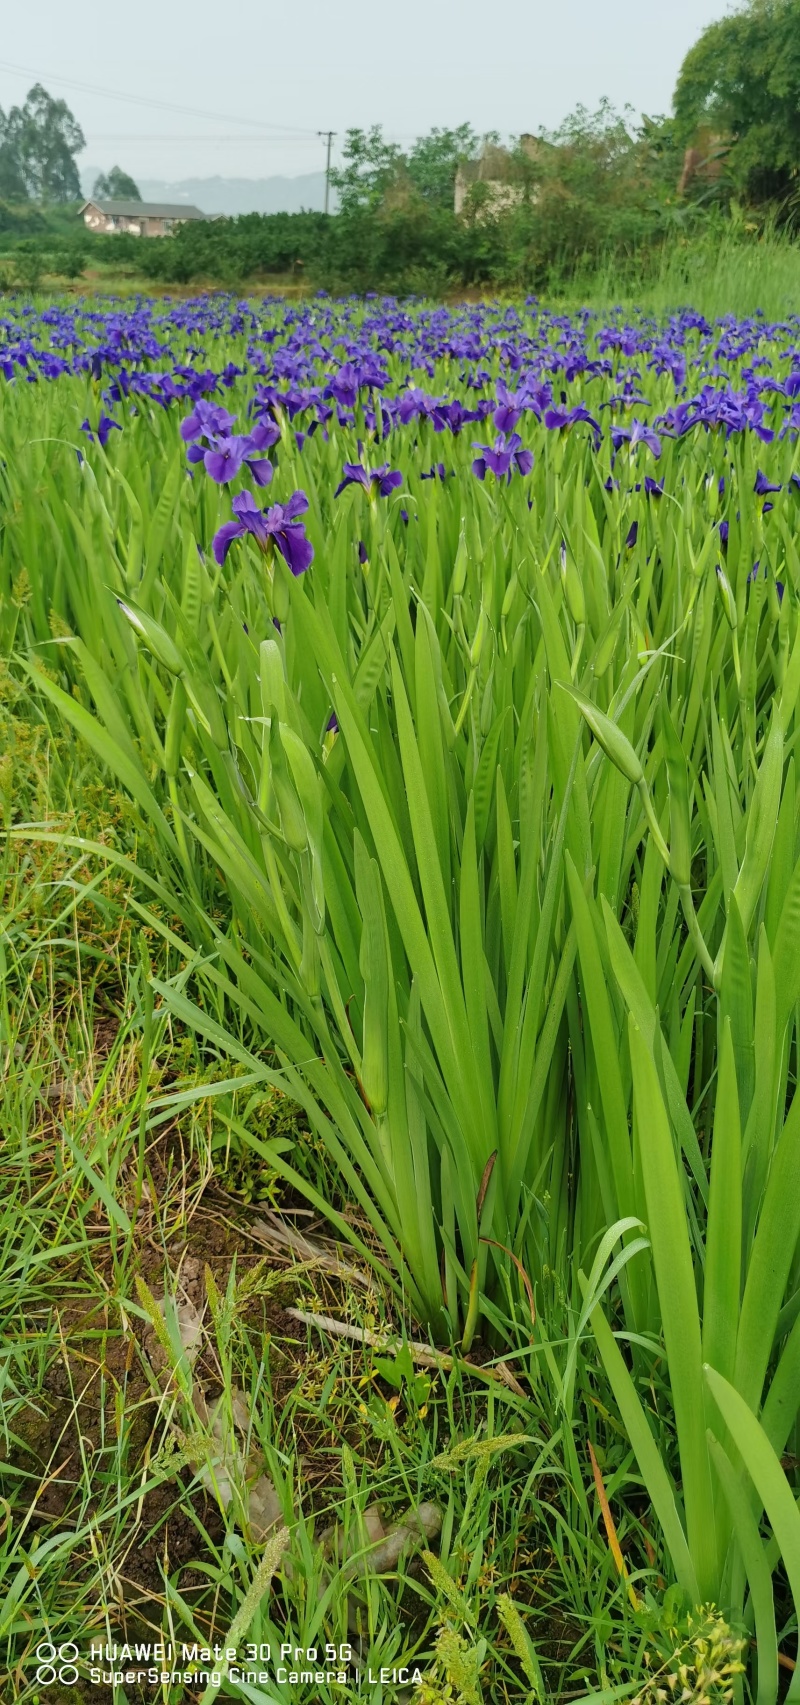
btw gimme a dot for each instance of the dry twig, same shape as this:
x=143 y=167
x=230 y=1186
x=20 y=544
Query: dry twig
x=421 y=1354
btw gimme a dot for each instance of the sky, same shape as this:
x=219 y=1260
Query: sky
x=258 y=79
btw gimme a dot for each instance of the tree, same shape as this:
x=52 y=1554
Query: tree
x=377 y=173
x=39 y=144
x=600 y=184
x=741 y=81
x=370 y=165
x=434 y=161
x=116 y=186
x=12 y=183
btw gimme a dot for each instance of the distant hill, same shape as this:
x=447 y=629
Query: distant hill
x=233 y=195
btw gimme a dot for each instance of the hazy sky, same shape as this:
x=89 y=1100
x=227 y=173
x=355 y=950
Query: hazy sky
x=260 y=78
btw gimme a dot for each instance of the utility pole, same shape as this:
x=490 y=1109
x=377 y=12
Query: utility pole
x=329 y=134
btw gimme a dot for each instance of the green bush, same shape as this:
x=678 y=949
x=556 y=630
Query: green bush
x=30 y=261
x=20 y=221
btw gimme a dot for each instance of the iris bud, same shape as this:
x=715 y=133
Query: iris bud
x=460 y=565
x=727 y=599
x=573 y=590
x=156 y=638
x=614 y=743
x=293 y=823
x=280 y=589
x=273 y=685
x=607 y=645
x=510 y=595
x=477 y=644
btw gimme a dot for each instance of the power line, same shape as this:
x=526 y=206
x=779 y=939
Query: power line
x=144 y=101
x=272 y=141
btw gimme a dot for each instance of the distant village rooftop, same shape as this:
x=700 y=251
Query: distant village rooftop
x=137 y=218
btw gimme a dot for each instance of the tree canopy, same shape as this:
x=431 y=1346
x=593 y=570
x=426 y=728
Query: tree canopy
x=116 y=185
x=434 y=159
x=741 y=80
x=38 y=144
x=376 y=172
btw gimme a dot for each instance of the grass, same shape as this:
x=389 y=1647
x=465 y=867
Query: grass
x=109 y=1535
x=727 y=276
x=109 y=1532
x=94 y=1467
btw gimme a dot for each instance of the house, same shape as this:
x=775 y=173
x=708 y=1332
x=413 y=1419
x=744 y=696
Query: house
x=137 y=218
x=495 y=181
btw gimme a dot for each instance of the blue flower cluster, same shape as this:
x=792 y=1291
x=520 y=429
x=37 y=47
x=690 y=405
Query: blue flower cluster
x=628 y=384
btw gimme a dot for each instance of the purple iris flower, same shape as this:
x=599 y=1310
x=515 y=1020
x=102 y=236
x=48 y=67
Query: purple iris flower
x=264 y=435
x=637 y=433
x=279 y=525
x=763 y=485
x=205 y=421
x=224 y=459
x=343 y=387
x=381 y=480
x=508 y=409
x=438 y=469
x=633 y=534
x=105 y=427
x=454 y=415
x=558 y=419
x=501 y=458
x=227 y=455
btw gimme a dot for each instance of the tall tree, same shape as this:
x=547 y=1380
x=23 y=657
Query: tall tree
x=741 y=80
x=434 y=160
x=370 y=165
x=40 y=141
x=12 y=183
x=116 y=185
x=377 y=173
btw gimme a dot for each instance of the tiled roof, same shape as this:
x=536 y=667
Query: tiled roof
x=145 y=209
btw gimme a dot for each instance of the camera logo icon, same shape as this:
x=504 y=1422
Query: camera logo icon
x=56 y=1663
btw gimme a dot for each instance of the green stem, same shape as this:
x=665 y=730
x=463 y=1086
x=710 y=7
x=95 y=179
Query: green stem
x=693 y=926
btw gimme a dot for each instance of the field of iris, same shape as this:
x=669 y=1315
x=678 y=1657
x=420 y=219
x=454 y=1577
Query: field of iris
x=402 y=831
